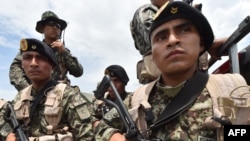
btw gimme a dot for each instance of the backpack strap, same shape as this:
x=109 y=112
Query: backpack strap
x=41 y=95
x=141 y=96
x=193 y=86
x=139 y=100
x=191 y=90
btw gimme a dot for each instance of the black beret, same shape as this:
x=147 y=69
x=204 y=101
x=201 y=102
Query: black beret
x=117 y=71
x=32 y=44
x=177 y=9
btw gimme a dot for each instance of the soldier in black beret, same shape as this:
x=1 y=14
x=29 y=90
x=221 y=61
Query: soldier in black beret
x=179 y=34
x=117 y=71
x=32 y=44
x=52 y=28
x=179 y=10
x=120 y=79
x=47 y=109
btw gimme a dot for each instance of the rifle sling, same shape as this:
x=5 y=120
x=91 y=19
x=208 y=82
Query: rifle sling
x=183 y=100
x=41 y=95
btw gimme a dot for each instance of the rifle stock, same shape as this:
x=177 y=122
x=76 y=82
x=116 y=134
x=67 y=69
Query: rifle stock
x=11 y=116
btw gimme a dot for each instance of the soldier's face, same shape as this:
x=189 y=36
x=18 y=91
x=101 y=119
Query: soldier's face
x=118 y=85
x=52 y=30
x=36 y=66
x=176 y=46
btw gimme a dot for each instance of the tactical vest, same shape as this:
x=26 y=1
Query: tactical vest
x=53 y=112
x=230 y=97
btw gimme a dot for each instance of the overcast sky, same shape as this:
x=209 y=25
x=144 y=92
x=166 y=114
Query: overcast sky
x=98 y=33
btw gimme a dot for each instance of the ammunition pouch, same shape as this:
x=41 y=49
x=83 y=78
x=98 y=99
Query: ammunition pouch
x=237 y=106
x=230 y=96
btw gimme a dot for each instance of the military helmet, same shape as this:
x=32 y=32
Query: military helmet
x=140 y=26
x=49 y=16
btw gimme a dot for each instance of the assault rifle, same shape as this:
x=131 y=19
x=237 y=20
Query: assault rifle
x=132 y=133
x=11 y=116
x=230 y=45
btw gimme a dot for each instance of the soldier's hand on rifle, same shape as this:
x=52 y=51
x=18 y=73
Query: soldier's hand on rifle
x=213 y=51
x=11 y=137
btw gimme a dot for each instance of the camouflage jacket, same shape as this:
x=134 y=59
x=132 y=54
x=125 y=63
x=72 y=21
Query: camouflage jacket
x=189 y=126
x=66 y=63
x=140 y=25
x=76 y=115
x=3 y=106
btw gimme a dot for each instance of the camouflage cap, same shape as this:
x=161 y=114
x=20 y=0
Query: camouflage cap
x=32 y=44
x=49 y=16
x=178 y=9
x=117 y=71
x=140 y=26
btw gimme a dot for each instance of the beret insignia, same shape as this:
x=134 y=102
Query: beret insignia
x=174 y=10
x=23 y=45
x=33 y=46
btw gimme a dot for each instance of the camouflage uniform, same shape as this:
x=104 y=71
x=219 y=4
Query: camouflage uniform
x=186 y=127
x=140 y=25
x=113 y=71
x=76 y=115
x=48 y=110
x=66 y=62
x=2 y=121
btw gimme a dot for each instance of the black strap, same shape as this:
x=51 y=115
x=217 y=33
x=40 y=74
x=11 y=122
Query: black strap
x=184 y=99
x=41 y=94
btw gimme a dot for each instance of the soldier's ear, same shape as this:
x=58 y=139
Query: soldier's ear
x=202 y=46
